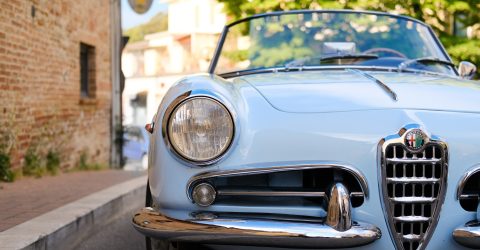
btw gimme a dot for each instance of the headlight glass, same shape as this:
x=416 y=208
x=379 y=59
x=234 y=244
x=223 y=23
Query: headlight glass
x=200 y=129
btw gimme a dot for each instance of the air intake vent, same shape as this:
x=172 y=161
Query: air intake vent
x=414 y=168
x=287 y=186
x=468 y=192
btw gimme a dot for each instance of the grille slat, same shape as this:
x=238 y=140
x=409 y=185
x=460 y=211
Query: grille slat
x=412 y=199
x=419 y=160
x=411 y=218
x=413 y=183
x=412 y=237
x=412 y=180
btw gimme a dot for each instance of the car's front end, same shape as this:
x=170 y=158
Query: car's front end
x=326 y=156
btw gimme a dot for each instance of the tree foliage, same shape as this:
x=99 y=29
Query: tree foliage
x=158 y=23
x=438 y=13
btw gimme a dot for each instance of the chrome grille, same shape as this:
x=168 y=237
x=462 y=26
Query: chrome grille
x=413 y=187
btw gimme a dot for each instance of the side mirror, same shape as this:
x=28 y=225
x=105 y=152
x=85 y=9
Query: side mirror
x=467 y=69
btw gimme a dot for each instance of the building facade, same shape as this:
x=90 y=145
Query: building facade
x=151 y=66
x=56 y=80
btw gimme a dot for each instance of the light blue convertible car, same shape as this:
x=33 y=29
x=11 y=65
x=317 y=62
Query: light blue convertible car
x=318 y=129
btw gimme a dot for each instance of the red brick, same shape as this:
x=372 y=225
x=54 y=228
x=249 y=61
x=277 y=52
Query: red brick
x=40 y=81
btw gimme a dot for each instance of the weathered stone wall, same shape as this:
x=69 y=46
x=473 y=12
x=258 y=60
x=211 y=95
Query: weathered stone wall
x=40 y=104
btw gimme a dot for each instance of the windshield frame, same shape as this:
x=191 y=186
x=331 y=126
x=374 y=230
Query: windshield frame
x=218 y=49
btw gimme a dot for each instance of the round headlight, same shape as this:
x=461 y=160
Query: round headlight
x=200 y=129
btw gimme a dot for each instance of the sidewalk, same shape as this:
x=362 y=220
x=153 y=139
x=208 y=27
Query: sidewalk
x=28 y=198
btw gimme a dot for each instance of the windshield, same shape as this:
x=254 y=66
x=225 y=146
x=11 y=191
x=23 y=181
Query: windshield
x=323 y=38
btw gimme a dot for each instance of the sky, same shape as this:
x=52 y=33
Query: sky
x=131 y=19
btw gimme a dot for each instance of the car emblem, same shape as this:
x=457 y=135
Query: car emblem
x=415 y=139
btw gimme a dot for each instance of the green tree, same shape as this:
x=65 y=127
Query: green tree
x=158 y=23
x=440 y=14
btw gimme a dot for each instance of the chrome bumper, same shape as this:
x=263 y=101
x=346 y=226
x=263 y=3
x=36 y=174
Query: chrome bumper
x=209 y=228
x=468 y=235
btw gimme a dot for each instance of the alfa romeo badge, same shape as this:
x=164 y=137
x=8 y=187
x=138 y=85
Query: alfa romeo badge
x=415 y=139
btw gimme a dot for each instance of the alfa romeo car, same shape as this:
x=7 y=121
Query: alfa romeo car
x=318 y=129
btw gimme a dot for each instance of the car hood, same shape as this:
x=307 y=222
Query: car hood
x=337 y=91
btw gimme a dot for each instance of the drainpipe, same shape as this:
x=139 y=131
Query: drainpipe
x=116 y=115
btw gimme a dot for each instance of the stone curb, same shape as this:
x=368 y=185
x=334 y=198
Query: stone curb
x=69 y=225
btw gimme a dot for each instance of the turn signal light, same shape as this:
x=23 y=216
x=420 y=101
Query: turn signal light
x=204 y=194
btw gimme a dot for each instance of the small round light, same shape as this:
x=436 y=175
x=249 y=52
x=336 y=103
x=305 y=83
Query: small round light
x=200 y=129
x=204 y=194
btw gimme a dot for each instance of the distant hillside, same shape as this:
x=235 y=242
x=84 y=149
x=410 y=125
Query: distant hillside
x=158 y=23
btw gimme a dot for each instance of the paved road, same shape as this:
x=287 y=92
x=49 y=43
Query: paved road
x=56 y=191
x=117 y=235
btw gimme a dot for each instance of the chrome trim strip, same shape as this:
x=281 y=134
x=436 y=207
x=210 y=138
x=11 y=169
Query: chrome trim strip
x=221 y=192
x=304 y=68
x=217 y=229
x=384 y=86
x=329 y=67
x=461 y=183
x=270 y=193
x=250 y=171
x=469 y=196
x=196 y=94
x=468 y=235
x=290 y=12
x=398 y=139
x=356 y=194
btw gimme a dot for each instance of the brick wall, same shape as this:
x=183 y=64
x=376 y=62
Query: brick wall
x=40 y=103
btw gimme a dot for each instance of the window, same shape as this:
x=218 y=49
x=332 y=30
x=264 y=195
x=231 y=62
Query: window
x=87 y=71
x=139 y=106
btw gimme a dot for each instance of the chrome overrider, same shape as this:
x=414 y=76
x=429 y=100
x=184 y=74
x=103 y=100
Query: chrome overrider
x=339 y=215
x=336 y=230
x=468 y=234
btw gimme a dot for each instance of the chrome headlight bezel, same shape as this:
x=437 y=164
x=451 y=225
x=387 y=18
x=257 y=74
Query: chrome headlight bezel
x=170 y=111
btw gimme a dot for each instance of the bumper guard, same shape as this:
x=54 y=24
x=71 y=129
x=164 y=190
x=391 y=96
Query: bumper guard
x=209 y=228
